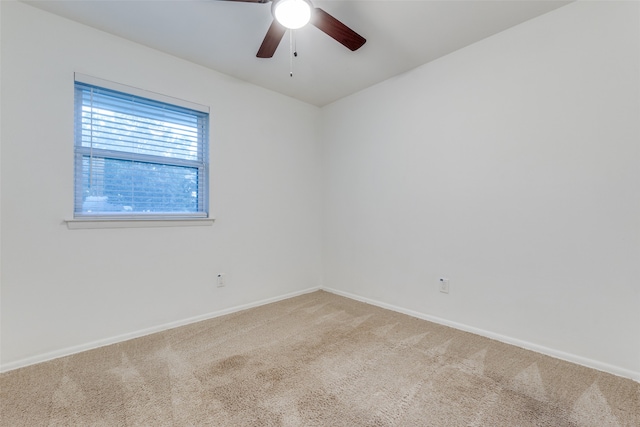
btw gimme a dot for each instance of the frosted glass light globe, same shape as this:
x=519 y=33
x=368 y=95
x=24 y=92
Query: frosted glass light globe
x=292 y=14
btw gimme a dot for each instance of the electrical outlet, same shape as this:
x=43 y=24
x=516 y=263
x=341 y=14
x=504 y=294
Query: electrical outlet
x=221 y=280
x=444 y=285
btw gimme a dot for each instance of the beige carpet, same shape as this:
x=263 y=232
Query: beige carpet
x=315 y=360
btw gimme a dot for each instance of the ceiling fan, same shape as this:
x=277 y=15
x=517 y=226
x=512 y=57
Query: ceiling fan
x=294 y=14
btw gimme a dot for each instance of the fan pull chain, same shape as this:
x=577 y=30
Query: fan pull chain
x=291 y=53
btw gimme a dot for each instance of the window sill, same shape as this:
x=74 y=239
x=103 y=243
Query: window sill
x=86 y=223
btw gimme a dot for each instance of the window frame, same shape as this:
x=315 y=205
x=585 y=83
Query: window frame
x=140 y=219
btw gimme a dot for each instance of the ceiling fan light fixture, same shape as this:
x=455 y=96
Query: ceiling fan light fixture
x=292 y=14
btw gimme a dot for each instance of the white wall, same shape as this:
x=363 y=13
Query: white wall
x=510 y=167
x=64 y=289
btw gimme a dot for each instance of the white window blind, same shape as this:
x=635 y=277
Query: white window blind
x=138 y=157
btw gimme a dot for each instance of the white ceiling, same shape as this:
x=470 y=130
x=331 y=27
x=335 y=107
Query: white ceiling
x=225 y=36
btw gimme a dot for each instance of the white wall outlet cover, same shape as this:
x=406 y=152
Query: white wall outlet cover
x=444 y=285
x=221 y=280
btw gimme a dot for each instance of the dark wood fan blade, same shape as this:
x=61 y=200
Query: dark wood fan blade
x=271 y=40
x=336 y=29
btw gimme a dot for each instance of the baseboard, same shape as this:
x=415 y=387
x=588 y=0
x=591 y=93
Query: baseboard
x=589 y=363
x=148 y=331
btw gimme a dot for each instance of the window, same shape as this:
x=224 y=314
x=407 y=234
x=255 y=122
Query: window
x=138 y=155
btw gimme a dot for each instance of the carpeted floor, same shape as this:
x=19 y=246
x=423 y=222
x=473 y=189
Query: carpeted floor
x=315 y=360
